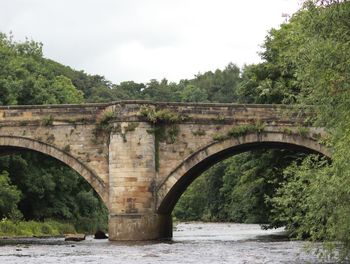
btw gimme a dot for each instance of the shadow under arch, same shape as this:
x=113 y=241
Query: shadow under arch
x=10 y=144
x=175 y=184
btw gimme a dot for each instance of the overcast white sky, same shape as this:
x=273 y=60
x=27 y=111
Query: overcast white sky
x=141 y=40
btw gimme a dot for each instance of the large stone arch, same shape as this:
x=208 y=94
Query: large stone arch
x=170 y=190
x=15 y=142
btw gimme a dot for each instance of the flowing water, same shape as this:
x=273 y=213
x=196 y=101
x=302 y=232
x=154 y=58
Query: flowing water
x=192 y=243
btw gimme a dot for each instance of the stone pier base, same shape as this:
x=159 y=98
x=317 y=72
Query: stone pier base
x=139 y=227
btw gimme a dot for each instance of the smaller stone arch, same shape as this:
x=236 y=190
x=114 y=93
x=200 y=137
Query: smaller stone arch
x=170 y=190
x=15 y=142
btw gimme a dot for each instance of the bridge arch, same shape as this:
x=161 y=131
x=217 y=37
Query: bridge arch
x=175 y=184
x=14 y=143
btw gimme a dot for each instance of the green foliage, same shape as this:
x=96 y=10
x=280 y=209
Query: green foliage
x=218 y=86
x=315 y=43
x=163 y=133
x=157 y=116
x=199 y=132
x=236 y=189
x=240 y=130
x=52 y=190
x=66 y=148
x=219 y=136
x=47 y=120
x=300 y=203
x=90 y=208
x=172 y=133
x=131 y=127
x=165 y=127
x=65 y=92
x=245 y=129
x=191 y=205
x=162 y=91
x=313 y=205
x=287 y=130
x=303 y=131
x=104 y=120
x=27 y=78
x=192 y=93
x=9 y=197
x=202 y=201
x=33 y=228
x=104 y=126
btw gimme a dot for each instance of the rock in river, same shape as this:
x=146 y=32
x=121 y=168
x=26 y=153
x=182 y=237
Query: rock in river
x=74 y=237
x=100 y=235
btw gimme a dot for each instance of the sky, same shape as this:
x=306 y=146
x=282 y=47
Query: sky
x=141 y=40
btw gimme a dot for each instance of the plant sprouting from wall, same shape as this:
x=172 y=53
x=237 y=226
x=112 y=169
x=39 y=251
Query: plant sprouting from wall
x=47 y=120
x=104 y=126
x=241 y=130
x=164 y=122
x=165 y=128
x=157 y=116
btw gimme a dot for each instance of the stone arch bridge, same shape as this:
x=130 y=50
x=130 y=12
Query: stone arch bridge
x=141 y=156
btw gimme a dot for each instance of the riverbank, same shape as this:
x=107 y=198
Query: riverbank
x=49 y=228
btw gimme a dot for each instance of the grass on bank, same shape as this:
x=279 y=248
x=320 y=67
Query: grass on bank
x=10 y=228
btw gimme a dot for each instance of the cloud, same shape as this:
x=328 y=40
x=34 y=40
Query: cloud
x=140 y=40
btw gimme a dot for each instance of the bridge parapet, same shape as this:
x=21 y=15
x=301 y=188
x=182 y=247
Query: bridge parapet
x=58 y=113
x=130 y=110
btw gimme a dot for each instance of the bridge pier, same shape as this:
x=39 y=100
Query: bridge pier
x=132 y=182
x=139 y=227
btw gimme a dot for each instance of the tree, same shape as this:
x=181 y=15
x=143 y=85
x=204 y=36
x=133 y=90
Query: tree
x=64 y=91
x=192 y=205
x=9 y=197
x=192 y=93
x=318 y=48
x=47 y=188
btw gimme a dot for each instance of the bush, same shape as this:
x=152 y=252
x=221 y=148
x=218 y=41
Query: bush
x=33 y=228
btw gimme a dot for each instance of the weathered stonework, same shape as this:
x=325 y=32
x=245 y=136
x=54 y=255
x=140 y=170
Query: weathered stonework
x=140 y=164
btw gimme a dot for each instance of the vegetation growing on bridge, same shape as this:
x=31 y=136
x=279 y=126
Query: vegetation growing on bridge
x=241 y=130
x=47 y=120
x=303 y=131
x=165 y=127
x=306 y=61
x=104 y=127
x=161 y=116
x=199 y=132
x=66 y=148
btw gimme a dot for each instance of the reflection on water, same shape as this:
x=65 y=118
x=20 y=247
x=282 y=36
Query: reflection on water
x=192 y=243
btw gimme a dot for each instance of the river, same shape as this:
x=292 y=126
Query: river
x=198 y=243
